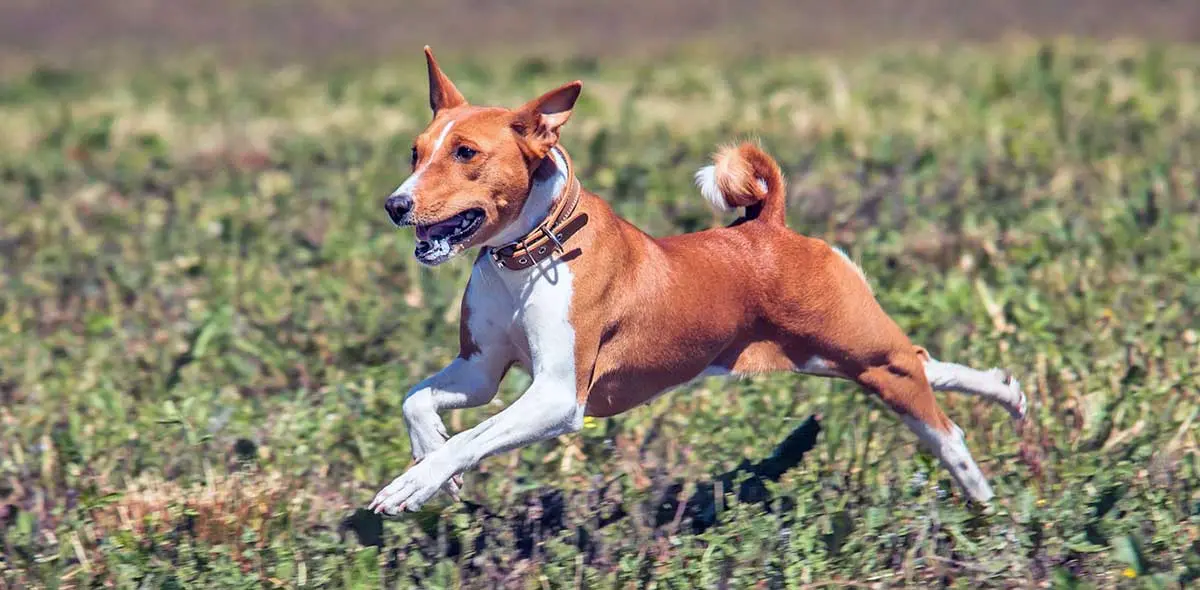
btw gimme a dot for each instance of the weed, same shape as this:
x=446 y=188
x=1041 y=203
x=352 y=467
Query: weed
x=207 y=325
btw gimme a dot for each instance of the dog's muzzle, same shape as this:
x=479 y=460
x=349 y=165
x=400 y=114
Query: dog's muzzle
x=398 y=208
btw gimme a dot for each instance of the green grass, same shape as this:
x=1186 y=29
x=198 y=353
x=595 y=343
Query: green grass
x=207 y=325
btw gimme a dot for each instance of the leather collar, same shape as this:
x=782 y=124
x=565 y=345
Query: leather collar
x=551 y=234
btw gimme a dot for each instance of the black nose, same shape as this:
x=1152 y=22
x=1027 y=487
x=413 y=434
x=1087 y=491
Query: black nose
x=397 y=207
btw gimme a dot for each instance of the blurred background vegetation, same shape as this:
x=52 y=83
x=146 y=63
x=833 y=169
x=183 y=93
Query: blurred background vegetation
x=332 y=31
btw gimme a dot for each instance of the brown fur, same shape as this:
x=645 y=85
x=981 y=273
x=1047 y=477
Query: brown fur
x=650 y=314
x=738 y=170
x=646 y=314
x=751 y=298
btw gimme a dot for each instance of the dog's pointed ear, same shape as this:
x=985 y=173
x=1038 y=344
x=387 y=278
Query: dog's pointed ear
x=442 y=93
x=540 y=119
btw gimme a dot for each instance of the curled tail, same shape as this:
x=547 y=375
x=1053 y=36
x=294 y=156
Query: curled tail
x=744 y=176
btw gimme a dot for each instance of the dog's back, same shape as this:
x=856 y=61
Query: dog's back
x=749 y=298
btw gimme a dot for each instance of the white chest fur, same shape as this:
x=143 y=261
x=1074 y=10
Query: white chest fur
x=521 y=316
x=525 y=314
x=533 y=306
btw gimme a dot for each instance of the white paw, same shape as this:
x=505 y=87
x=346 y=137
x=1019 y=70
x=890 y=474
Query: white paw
x=454 y=485
x=411 y=490
x=1020 y=406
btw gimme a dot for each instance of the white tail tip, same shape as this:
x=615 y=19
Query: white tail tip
x=706 y=181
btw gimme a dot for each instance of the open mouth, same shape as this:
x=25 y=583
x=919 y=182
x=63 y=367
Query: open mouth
x=435 y=240
x=454 y=230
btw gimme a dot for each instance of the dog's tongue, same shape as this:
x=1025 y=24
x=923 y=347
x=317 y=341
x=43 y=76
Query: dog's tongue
x=438 y=230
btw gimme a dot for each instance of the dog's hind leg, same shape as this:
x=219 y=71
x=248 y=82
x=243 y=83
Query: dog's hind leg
x=995 y=385
x=901 y=384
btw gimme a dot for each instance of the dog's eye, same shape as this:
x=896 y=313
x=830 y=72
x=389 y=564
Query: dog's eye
x=414 y=155
x=464 y=153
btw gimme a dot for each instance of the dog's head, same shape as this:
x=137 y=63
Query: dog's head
x=473 y=167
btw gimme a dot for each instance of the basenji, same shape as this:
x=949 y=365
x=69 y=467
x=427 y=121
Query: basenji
x=605 y=317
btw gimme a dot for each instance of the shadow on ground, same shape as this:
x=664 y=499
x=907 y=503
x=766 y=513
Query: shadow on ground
x=543 y=514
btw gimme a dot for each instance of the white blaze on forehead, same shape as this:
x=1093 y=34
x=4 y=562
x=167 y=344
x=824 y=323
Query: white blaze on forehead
x=437 y=145
x=410 y=184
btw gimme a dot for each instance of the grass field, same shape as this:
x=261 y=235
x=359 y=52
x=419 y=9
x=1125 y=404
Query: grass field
x=207 y=325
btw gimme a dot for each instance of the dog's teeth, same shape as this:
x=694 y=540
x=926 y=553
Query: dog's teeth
x=464 y=223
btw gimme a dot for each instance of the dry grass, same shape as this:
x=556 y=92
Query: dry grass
x=217 y=511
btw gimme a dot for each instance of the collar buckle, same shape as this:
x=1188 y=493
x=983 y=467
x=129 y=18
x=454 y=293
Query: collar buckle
x=558 y=245
x=558 y=226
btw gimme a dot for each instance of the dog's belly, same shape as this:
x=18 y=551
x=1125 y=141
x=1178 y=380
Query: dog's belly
x=619 y=391
x=612 y=396
x=620 y=388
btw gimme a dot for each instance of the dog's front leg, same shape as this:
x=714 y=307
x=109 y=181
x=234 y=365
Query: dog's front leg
x=464 y=383
x=546 y=410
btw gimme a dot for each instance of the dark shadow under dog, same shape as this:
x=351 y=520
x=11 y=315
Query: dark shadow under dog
x=543 y=514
